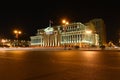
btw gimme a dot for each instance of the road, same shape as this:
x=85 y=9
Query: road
x=59 y=64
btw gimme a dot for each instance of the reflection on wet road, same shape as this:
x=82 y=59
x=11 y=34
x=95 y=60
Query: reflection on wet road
x=59 y=65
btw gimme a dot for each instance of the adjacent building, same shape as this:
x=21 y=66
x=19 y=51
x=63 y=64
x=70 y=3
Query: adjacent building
x=99 y=28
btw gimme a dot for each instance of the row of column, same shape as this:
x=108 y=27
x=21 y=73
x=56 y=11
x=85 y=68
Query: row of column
x=73 y=38
x=81 y=37
x=51 y=41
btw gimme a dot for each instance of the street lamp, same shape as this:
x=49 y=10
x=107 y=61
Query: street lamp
x=17 y=32
x=65 y=23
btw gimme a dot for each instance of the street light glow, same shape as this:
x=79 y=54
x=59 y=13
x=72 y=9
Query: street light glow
x=17 y=32
x=65 y=22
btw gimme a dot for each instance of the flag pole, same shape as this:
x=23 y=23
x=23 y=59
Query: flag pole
x=49 y=23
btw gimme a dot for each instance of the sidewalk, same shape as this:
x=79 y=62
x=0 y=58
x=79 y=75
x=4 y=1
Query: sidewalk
x=55 y=48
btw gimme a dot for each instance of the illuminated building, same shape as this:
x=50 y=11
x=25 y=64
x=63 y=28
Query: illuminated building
x=99 y=26
x=73 y=34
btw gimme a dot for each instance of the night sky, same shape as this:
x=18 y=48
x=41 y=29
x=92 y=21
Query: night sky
x=36 y=15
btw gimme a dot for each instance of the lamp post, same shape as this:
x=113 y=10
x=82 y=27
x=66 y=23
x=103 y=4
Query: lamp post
x=65 y=23
x=17 y=32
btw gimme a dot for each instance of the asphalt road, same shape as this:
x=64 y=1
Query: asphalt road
x=59 y=65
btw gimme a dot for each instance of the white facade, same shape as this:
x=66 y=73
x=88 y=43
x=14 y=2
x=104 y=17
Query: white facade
x=65 y=35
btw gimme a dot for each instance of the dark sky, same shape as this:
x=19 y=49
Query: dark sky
x=30 y=16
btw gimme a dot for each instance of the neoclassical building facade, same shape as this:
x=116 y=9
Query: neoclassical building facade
x=66 y=35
